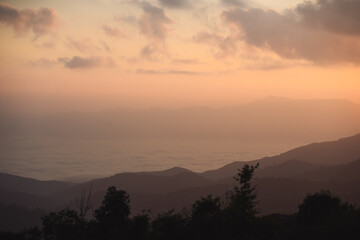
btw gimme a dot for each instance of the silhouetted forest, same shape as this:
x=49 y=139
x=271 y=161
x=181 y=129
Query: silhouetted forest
x=320 y=216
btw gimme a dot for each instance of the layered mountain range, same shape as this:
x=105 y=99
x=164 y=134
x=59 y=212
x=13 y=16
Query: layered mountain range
x=282 y=182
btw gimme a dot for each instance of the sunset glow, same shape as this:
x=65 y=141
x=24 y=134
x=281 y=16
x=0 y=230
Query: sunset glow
x=96 y=54
x=179 y=119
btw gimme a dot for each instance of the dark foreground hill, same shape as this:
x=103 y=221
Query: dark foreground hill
x=320 y=215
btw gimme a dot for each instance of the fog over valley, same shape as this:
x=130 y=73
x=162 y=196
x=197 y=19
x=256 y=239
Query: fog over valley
x=82 y=145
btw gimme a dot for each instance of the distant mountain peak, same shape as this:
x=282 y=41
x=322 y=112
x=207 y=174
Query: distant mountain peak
x=169 y=172
x=272 y=98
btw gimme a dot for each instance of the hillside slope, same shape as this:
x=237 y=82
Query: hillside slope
x=14 y=183
x=341 y=151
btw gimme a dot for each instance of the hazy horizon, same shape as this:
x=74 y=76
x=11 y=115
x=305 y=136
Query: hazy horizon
x=80 y=145
x=107 y=86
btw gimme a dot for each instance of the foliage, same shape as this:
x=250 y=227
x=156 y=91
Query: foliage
x=239 y=215
x=115 y=208
x=139 y=226
x=113 y=216
x=62 y=225
x=243 y=199
x=206 y=218
x=169 y=225
x=324 y=215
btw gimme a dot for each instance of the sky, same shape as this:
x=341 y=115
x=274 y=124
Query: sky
x=60 y=55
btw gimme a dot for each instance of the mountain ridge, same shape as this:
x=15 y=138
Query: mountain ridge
x=282 y=183
x=327 y=153
x=12 y=182
x=323 y=153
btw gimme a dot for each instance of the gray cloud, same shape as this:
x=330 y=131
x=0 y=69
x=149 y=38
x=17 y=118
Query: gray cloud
x=269 y=64
x=153 y=51
x=153 y=23
x=185 y=61
x=105 y=46
x=131 y=20
x=340 y=16
x=148 y=51
x=225 y=45
x=233 y=2
x=77 y=62
x=43 y=62
x=208 y=20
x=112 y=31
x=48 y=42
x=211 y=38
x=39 y=21
x=175 y=3
x=160 y=72
x=84 y=45
x=80 y=62
x=292 y=36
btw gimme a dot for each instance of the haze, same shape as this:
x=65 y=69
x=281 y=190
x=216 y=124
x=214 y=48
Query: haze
x=186 y=82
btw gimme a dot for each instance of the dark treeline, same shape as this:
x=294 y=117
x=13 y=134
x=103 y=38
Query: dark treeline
x=320 y=216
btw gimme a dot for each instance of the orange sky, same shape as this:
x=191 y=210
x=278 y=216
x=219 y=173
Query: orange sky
x=106 y=53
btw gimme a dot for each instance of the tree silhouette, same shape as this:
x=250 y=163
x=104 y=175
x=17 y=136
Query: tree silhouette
x=206 y=218
x=62 y=225
x=322 y=215
x=84 y=203
x=243 y=199
x=169 y=225
x=140 y=225
x=239 y=216
x=113 y=215
x=318 y=208
x=114 y=208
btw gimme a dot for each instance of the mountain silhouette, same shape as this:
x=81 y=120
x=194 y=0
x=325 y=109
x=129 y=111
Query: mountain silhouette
x=341 y=151
x=14 y=183
x=282 y=182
